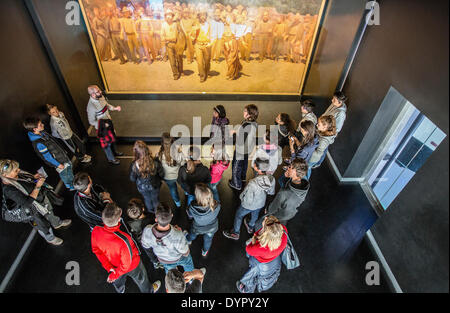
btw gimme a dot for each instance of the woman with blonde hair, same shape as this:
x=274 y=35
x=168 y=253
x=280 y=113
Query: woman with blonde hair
x=172 y=158
x=264 y=251
x=204 y=211
x=147 y=173
x=27 y=194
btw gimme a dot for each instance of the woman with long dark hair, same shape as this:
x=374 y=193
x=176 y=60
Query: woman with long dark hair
x=147 y=173
x=172 y=158
x=286 y=128
x=309 y=141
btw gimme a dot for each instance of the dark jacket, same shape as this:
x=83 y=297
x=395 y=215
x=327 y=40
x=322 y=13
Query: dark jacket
x=89 y=208
x=48 y=149
x=16 y=199
x=205 y=219
x=218 y=126
x=306 y=151
x=244 y=144
x=188 y=181
x=285 y=204
x=137 y=226
x=151 y=181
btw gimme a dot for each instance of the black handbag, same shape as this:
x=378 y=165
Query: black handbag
x=15 y=215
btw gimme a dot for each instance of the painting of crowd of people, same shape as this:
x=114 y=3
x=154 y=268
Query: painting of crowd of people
x=224 y=46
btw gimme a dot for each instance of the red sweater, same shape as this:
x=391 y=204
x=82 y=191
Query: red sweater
x=113 y=252
x=264 y=255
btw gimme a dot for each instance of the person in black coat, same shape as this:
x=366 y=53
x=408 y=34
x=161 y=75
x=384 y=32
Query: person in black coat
x=29 y=195
x=147 y=172
x=193 y=172
x=89 y=200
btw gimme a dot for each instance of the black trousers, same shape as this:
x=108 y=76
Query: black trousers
x=77 y=146
x=139 y=276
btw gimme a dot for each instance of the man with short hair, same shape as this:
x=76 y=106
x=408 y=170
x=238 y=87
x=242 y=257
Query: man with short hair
x=98 y=109
x=48 y=149
x=168 y=242
x=118 y=253
x=294 y=188
x=89 y=200
x=187 y=282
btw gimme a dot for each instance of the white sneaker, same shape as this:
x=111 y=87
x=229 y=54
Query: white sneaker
x=156 y=286
x=64 y=223
x=56 y=241
x=86 y=159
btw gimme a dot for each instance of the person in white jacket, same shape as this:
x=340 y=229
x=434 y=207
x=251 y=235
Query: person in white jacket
x=61 y=129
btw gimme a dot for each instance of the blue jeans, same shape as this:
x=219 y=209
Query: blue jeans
x=214 y=190
x=67 y=177
x=109 y=153
x=239 y=171
x=172 y=184
x=190 y=198
x=207 y=239
x=310 y=165
x=240 y=214
x=151 y=199
x=185 y=261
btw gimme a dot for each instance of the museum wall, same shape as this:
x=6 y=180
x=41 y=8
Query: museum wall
x=340 y=25
x=408 y=51
x=28 y=83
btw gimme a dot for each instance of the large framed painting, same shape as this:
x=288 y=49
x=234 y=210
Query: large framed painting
x=203 y=46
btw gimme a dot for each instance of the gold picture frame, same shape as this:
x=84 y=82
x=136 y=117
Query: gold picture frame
x=119 y=81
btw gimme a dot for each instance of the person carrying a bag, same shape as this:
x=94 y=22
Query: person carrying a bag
x=264 y=251
x=28 y=193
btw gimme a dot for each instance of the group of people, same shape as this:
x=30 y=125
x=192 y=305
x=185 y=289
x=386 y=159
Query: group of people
x=118 y=238
x=199 y=32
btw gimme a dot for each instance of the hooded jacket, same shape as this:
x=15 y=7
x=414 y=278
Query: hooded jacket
x=168 y=249
x=60 y=127
x=217 y=170
x=273 y=153
x=288 y=199
x=205 y=219
x=253 y=197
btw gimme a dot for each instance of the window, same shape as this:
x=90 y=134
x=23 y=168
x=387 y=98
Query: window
x=413 y=141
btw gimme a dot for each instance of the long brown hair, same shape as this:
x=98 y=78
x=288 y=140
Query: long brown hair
x=311 y=129
x=288 y=122
x=166 y=145
x=143 y=158
x=330 y=122
x=194 y=159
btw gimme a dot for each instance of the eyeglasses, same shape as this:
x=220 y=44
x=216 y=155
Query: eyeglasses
x=6 y=166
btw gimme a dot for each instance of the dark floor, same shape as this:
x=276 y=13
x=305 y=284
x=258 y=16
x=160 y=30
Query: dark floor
x=327 y=233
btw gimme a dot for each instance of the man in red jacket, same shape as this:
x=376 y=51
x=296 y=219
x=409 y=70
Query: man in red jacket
x=118 y=253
